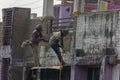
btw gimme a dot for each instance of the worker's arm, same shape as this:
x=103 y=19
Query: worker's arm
x=43 y=39
x=36 y=38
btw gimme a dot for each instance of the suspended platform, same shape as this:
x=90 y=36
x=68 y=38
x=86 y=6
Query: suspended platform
x=50 y=67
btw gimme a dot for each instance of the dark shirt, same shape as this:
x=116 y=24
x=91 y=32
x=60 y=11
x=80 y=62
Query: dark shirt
x=55 y=41
x=36 y=37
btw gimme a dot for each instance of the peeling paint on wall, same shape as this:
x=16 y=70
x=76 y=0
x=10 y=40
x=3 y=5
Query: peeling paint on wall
x=97 y=31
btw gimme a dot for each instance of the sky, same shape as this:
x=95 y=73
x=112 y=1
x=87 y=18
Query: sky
x=35 y=5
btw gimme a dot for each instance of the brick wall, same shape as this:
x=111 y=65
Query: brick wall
x=21 y=19
x=20 y=27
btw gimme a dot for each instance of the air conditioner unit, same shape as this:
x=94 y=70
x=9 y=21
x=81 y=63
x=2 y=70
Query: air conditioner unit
x=80 y=52
x=109 y=51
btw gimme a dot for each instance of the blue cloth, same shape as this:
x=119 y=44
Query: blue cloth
x=54 y=43
x=56 y=48
x=53 y=40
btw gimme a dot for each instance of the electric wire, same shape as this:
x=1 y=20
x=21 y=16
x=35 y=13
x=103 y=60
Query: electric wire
x=36 y=8
x=30 y=3
x=13 y=3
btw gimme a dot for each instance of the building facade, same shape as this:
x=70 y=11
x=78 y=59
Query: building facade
x=96 y=48
x=15 y=24
x=91 y=49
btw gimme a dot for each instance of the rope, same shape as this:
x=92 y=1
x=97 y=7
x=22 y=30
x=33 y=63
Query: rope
x=60 y=73
x=61 y=66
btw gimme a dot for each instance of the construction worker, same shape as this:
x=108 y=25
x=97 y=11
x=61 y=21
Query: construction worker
x=34 y=42
x=56 y=42
x=37 y=37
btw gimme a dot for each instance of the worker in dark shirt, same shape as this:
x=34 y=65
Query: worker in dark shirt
x=35 y=43
x=37 y=37
x=56 y=42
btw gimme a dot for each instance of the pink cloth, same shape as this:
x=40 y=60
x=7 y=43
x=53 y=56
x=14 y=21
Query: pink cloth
x=113 y=7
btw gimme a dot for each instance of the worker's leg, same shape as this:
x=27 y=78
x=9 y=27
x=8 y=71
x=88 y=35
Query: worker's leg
x=57 y=51
x=35 y=54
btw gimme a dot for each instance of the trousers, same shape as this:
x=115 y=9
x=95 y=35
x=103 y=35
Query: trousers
x=36 y=51
x=56 y=48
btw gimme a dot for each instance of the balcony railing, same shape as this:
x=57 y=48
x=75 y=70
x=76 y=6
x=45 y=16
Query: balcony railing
x=61 y=23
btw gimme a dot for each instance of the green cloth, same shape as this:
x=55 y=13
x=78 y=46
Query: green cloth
x=53 y=40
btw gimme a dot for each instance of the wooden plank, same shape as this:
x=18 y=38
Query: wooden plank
x=47 y=67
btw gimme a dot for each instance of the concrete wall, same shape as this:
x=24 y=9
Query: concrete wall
x=96 y=31
x=48 y=57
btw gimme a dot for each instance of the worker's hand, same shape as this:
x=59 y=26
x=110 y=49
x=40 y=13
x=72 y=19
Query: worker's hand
x=45 y=40
x=28 y=41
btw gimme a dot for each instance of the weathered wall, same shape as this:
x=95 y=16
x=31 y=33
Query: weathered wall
x=97 y=31
x=49 y=57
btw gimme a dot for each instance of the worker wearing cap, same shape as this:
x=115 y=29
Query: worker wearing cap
x=37 y=36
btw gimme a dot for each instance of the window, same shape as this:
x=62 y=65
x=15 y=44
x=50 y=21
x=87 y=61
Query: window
x=7 y=22
x=7 y=36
